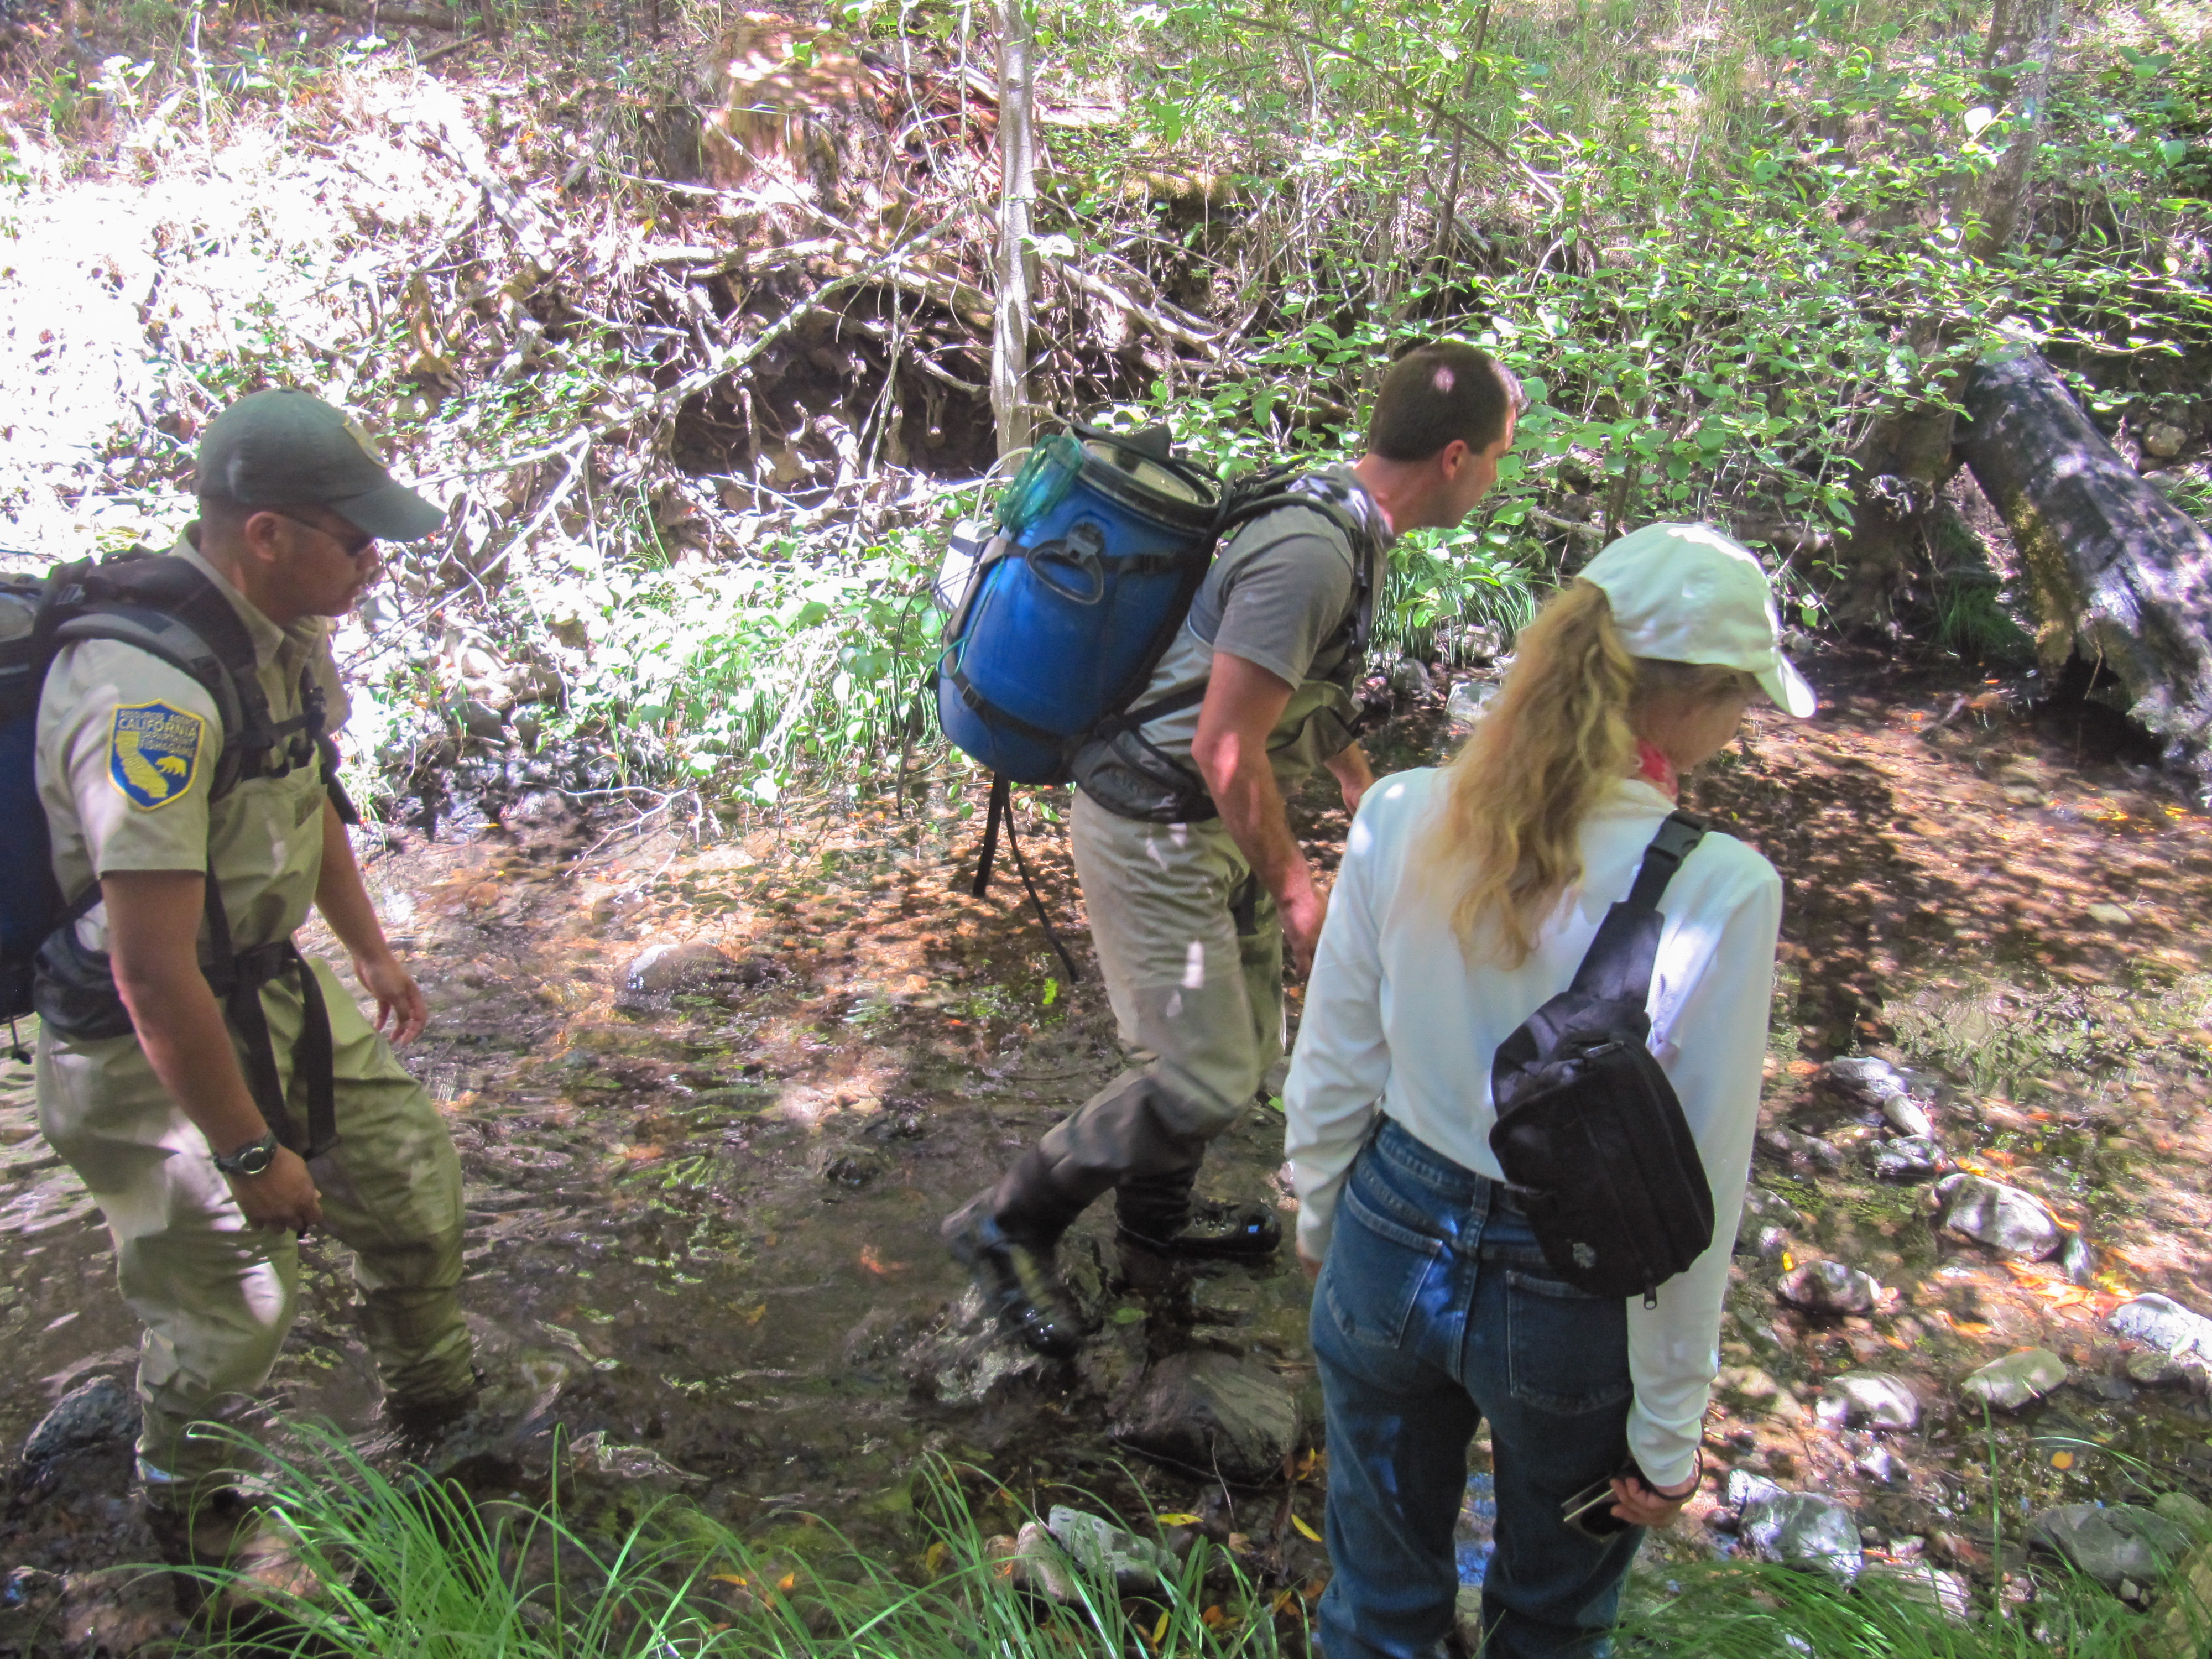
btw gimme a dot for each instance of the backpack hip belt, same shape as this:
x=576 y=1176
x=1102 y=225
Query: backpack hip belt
x=76 y=996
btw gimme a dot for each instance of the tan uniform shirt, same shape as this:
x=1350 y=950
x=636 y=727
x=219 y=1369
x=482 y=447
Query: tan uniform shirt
x=126 y=753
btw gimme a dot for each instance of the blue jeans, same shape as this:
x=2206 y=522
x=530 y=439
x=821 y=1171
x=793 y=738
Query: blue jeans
x=1434 y=1311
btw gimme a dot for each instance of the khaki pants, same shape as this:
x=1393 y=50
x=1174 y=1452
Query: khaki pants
x=1192 y=951
x=217 y=1296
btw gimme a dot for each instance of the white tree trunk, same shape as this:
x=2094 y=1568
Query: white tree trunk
x=1011 y=411
x=2016 y=67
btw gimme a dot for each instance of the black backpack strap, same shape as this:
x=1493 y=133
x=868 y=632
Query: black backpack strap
x=237 y=976
x=992 y=713
x=1617 y=964
x=1001 y=813
x=166 y=607
x=1677 y=839
x=994 y=817
x=1174 y=703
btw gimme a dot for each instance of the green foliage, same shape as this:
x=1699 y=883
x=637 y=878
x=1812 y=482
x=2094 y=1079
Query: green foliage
x=1974 y=623
x=753 y=672
x=2189 y=489
x=1743 y=1612
x=1717 y=248
x=1438 y=579
x=1718 y=243
x=421 y=1569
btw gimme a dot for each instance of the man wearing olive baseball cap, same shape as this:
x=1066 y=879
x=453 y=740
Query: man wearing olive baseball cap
x=279 y=449
x=213 y=1133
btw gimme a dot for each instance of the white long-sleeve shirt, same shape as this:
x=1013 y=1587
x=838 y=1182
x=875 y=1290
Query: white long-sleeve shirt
x=1397 y=1020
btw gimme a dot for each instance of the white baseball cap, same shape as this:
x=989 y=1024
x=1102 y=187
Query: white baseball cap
x=1685 y=592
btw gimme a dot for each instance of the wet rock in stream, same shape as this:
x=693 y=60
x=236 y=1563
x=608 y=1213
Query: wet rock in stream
x=1764 y=1212
x=1830 y=1287
x=92 y=1413
x=1923 y=1582
x=87 y=1615
x=2077 y=1260
x=1873 y=1398
x=2006 y=1220
x=595 y=1455
x=1879 y=1085
x=1212 y=1414
x=2160 y=1322
x=2018 y=1378
x=1908 y=1159
x=1135 y=1565
x=2118 y=1545
x=1805 y=1155
x=1879 y=1463
x=660 y=972
x=1867 y=1078
x=1796 y=1528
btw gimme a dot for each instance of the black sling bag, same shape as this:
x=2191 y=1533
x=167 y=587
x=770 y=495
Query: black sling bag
x=1589 y=1132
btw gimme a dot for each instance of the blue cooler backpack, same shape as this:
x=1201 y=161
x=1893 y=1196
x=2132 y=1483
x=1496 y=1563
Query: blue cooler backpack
x=1057 y=616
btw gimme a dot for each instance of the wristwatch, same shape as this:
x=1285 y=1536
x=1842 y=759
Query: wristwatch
x=251 y=1159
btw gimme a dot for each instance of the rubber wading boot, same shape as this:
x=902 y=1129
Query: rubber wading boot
x=1209 y=1228
x=1018 y=1282
x=231 y=1557
x=441 y=1439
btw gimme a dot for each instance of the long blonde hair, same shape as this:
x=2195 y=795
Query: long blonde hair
x=1505 y=842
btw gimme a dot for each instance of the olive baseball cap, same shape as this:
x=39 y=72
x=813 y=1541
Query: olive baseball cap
x=1687 y=593
x=290 y=448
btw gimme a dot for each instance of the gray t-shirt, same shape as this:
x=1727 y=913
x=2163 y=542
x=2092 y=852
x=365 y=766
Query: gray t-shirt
x=1281 y=594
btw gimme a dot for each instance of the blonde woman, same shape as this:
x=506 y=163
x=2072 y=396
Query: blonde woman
x=1466 y=899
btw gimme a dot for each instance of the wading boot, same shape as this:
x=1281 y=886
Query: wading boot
x=233 y=1557
x=201 y=1534
x=445 y=1437
x=1018 y=1282
x=1208 y=1229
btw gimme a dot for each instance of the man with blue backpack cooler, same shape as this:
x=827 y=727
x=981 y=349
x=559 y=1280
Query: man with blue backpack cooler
x=218 y=1092
x=1192 y=876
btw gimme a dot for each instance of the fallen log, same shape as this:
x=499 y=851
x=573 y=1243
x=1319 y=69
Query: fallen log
x=2117 y=573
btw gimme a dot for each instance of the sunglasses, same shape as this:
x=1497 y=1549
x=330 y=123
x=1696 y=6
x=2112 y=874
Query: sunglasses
x=352 y=550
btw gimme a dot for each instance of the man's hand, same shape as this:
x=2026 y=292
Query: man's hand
x=1309 y=1266
x=1651 y=1506
x=1354 y=776
x=1302 y=923
x=398 y=998
x=282 y=1195
x=344 y=904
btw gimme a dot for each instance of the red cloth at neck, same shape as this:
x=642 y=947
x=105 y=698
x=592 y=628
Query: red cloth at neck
x=1652 y=764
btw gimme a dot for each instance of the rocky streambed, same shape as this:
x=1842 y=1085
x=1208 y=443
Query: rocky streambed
x=712 y=1099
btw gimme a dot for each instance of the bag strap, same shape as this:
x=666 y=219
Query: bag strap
x=1001 y=813
x=164 y=607
x=236 y=978
x=1617 y=965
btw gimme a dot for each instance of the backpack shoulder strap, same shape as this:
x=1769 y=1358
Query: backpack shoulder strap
x=162 y=606
x=1677 y=839
x=1617 y=964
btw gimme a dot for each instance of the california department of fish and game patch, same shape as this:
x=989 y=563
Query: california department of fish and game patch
x=153 y=752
